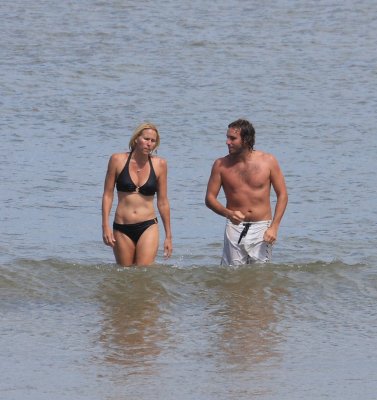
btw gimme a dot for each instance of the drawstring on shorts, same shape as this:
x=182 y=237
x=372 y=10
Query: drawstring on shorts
x=244 y=231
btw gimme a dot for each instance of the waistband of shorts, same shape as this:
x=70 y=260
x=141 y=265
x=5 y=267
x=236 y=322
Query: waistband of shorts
x=266 y=222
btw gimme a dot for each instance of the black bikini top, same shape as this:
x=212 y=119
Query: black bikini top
x=124 y=182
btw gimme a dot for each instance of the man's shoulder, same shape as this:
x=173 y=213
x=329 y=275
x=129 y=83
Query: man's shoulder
x=256 y=155
x=221 y=161
x=264 y=156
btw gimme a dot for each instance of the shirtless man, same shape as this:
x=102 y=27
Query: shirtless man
x=246 y=176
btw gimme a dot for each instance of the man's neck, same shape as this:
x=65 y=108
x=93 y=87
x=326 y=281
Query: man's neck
x=242 y=156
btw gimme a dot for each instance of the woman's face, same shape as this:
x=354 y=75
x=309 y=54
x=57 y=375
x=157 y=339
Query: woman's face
x=147 y=140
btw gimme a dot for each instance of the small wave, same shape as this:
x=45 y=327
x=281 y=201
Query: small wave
x=57 y=278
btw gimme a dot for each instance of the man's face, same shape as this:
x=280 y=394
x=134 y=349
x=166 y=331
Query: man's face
x=234 y=141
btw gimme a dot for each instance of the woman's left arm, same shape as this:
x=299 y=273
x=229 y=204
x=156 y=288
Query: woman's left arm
x=164 y=206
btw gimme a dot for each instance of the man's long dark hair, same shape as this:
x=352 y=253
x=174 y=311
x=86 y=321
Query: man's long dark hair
x=247 y=131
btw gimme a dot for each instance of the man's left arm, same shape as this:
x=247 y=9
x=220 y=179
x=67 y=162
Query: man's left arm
x=278 y=183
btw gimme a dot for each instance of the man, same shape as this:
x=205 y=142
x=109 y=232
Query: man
x=246 y=176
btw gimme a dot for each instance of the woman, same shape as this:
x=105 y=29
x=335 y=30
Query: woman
x=137 y=175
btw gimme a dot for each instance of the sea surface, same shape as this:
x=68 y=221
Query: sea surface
x=76 y=78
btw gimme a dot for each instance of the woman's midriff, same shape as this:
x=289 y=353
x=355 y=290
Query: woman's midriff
x=133 y=208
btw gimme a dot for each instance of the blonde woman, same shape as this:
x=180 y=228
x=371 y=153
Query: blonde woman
x=138 y=176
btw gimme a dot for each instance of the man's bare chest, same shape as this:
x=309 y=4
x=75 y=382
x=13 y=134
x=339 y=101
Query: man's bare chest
x=251 y=175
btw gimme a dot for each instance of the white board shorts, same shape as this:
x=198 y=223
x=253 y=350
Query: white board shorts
x=252 y=248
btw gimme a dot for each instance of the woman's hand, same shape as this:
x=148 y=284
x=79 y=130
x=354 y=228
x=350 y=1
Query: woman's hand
x=108 y=237
x=168 y=248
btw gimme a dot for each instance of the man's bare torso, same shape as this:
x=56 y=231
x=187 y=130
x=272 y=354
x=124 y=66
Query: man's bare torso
x=246 y=183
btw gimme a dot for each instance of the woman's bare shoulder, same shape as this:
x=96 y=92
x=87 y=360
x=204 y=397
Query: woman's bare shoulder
x=159 y=164
x=118 y=157
x=157 y=160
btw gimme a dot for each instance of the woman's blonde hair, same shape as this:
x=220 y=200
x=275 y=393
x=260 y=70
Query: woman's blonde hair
x=139 y=130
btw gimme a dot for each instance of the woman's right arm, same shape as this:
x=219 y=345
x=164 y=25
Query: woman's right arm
x=107 y=202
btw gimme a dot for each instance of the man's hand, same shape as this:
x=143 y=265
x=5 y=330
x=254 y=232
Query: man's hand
x=270 y=235
x=236 y=217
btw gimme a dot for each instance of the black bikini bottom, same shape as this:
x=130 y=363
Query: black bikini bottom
x=134 y=231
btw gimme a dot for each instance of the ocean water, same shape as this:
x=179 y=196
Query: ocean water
x=76 y=79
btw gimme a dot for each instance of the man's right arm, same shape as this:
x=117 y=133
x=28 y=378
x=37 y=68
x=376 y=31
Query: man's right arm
x=213 y=189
